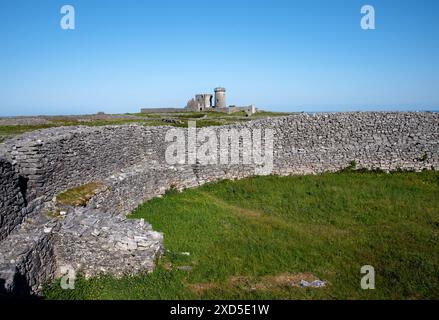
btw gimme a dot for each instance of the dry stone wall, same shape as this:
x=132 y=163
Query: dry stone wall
x=387 y=141
x=130 y=161
x=58 y=158
x=13 y=203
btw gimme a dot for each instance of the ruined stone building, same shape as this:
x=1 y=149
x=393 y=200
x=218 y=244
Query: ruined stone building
x=206 y=102
x=203 y=102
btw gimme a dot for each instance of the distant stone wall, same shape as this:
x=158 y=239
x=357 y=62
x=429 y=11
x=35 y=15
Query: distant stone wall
x=130 y=160
x=162 y=110
x=23 y=121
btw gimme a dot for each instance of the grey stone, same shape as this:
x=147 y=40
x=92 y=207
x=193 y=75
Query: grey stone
x=185 y=268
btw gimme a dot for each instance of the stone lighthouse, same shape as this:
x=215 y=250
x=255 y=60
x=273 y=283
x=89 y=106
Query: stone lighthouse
x=220 y=98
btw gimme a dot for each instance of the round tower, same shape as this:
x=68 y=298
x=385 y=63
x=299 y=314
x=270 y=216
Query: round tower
x=220 y=98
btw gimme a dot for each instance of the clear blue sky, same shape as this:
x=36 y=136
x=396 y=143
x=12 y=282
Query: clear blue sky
x=305 y=55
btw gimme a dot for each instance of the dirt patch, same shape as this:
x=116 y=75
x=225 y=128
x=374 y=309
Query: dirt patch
x=202 y=287
x=272 y=282
x=264 y=283
x=289 y=279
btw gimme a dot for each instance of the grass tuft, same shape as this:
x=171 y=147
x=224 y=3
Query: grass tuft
x=79 y=196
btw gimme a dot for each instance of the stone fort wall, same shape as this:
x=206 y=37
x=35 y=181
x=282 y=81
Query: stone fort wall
x=37 y=166
x=46 y=162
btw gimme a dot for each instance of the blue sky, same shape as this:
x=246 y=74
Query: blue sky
x=305 y=55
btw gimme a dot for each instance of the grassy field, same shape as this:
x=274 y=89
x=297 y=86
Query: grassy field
x=203 y=119
x=255 y=237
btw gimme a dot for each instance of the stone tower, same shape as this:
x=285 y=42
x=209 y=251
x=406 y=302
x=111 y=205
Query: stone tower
x=220 y=98
x=204 y=101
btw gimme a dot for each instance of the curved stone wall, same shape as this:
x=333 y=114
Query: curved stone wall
x=130 y=160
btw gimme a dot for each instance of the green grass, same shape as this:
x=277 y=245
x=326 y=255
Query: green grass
x=10 y=131
x=79 y=196
x=264 y=114
x=235 y=116
x=203 y=119
x=241 y=233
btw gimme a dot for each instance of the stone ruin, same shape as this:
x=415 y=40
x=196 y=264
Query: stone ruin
x=205 y=102
x=129 y=161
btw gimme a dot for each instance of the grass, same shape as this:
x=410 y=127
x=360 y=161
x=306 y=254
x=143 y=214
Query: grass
x=13 y=130
x=79 y=196
x=264 y=114
x=9 y=131
x=250 y=239
x=204 y=119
